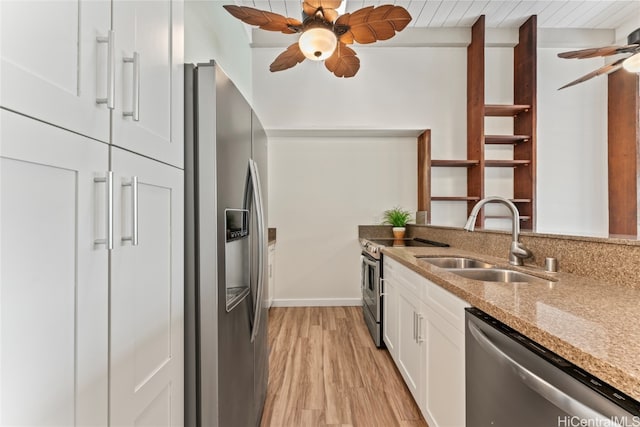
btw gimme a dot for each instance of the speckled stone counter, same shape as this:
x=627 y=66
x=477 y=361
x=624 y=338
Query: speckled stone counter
x=595 y=325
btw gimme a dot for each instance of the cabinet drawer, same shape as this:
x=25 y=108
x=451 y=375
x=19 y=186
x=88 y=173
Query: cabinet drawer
x=446 y=304
x=406 y=278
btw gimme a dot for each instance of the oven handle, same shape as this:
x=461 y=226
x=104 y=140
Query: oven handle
x=369 y=262
x=551 y=393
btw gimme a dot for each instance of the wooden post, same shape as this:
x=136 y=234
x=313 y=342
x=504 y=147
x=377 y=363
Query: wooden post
x=424 y=173
x=475 y=115
x=524 y=93
x=623 y=141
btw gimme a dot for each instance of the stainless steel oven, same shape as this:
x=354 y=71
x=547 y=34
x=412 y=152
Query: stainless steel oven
x=371 y=279
x=371 y=299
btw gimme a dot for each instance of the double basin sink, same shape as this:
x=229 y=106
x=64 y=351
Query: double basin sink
x=480 y=270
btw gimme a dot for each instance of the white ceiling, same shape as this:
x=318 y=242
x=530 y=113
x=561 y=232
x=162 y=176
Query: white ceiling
x=579 y=14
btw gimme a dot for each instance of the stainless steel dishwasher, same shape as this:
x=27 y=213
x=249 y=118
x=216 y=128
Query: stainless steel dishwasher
x=513 y=381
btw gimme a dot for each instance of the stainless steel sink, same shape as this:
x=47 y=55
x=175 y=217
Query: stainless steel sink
x=497 y=275
x=456 y=262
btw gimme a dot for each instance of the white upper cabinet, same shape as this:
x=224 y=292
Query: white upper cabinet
x=148 y=116
x=52 y=66
x=53 y=277
x=68 y=63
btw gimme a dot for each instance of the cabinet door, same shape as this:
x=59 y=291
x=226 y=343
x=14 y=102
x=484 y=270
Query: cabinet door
x=52 y=67
x=445 y=393
x=53 y=278
x=390 y=316
x=151 y=122
x=411 y=343
x=147 y=294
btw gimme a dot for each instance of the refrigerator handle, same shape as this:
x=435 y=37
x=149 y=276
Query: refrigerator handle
x=253 y=182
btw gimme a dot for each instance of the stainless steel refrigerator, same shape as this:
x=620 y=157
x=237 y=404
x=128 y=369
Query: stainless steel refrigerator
x=226 y=355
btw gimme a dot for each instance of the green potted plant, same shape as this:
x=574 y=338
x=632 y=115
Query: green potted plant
x=398 y=218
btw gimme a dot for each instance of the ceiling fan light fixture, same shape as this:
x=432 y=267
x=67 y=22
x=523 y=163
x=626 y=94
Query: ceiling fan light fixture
x=632 y=63
x=318 y=43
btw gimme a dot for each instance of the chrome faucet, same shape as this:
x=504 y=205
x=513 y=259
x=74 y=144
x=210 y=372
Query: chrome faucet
x=518 y=251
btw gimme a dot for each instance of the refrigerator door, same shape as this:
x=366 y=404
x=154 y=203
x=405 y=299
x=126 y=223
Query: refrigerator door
x=235 y=349
x=261 y=351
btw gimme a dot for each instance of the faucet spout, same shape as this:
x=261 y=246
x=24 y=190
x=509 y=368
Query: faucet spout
x=518 y=251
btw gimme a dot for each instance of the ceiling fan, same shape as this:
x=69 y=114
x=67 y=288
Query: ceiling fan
x=630 y=63
x=325 y=34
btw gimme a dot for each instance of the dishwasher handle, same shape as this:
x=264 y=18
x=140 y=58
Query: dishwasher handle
x=550 y=392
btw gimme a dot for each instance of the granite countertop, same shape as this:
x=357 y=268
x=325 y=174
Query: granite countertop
x=592 y=324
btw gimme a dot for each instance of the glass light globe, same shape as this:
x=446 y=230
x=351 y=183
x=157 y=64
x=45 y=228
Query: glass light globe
x=632 y=63
x=318 y=43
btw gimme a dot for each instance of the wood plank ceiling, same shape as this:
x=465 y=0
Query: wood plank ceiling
x=598 y=14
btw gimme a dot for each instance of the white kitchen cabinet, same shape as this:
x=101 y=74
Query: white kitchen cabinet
x=429 y=349
x=390 y=316
x=445 y=385
x=272 y=273
x=90 y=336
x=411 y=343
x=147 y=294
x=55 y=67
x=51 y=64
x=148 y=115
x=53 y=277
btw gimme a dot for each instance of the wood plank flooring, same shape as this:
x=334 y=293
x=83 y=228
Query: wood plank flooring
x=324 y=370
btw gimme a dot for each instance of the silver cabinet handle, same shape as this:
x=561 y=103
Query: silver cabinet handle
x=545 y=389
x=108 y=241
x=415 y=329
x=134 y=211
x=135 y=113
x=419 y=337
x=111 y=70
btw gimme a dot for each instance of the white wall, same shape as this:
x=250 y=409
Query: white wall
x=320 y=189
x=212 y=33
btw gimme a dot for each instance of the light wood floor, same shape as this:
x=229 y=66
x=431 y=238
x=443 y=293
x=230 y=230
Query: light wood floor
x=325 y=371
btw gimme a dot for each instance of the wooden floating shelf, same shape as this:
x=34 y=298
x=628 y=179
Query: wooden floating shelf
x=455 y=198
x=521 y=200
x=455 y=163
x=506 y=163
x=505 y=139
x=496 y=110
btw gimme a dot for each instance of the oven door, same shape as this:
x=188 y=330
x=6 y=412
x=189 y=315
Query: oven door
x=371 y=286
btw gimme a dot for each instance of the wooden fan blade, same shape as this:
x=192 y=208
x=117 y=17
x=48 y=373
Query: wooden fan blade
x=328 y=7
x=265 y=20
x=287 y=59
x=610 y=68
x=316 y=4
x=343 y=62
x=598 y=51
x=371 y=23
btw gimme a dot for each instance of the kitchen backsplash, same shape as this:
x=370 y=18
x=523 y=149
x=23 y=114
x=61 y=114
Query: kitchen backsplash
x=610 y=260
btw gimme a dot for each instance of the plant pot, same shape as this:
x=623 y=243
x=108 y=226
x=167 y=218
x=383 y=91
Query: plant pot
x=398 y=232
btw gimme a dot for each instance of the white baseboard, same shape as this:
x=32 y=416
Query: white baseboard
x=312 y=302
